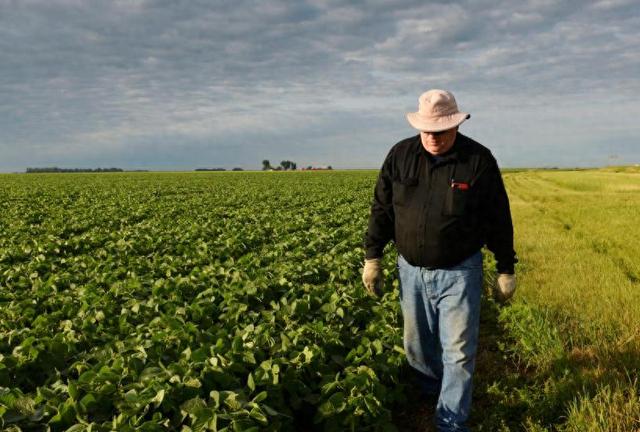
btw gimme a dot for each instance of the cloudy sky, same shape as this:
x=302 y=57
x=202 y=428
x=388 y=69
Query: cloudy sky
x=172 y=84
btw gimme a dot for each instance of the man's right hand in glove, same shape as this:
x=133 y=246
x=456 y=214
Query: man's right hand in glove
x=372 y=276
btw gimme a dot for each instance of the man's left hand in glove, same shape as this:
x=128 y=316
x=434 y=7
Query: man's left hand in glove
x=505 y=286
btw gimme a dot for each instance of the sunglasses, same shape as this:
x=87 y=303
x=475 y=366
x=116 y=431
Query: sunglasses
x=437 y=134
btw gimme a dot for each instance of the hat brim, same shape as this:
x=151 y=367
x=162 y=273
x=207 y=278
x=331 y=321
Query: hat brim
x=438 y=124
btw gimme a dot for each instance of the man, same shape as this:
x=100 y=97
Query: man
x=440 y=197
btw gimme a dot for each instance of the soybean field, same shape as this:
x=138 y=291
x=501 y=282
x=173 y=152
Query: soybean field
x=232 y=301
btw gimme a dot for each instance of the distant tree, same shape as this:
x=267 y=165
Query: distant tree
x=288 y=165
x=266 y=165
x=237 y=169
x=294 y=166
x=329 y=167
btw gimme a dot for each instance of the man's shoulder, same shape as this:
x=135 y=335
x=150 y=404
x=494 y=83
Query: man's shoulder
x=475 y=152
x=404 y=146
x=473 y=147
x=406 y=143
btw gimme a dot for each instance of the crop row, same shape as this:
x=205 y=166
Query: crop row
x=194 y=302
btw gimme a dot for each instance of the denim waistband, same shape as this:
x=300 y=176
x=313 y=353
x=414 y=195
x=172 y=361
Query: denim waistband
x=473 y=260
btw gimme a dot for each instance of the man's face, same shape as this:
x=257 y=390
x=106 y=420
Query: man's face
x=438 y=143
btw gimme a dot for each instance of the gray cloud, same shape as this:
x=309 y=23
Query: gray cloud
x=180 y=84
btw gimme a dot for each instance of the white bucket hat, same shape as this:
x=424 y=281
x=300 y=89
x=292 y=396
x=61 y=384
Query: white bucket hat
x=437 y=111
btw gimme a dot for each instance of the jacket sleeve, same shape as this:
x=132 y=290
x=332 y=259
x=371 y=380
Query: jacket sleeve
x=496 y=215
x=381 y=218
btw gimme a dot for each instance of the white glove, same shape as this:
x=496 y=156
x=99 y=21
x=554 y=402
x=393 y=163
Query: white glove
x=372 y=276
x=505 y=286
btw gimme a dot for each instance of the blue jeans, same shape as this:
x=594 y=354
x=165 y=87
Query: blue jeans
x=441 y=311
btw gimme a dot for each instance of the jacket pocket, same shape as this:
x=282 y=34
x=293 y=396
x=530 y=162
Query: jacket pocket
x=456 y=201
x=404 y=190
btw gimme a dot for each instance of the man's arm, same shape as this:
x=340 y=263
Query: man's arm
x=381 y=219
x=497 y=223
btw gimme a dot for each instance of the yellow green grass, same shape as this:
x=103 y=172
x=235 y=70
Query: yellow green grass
x=572 y=335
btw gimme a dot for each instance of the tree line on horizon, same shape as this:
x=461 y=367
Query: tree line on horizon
x=71 y=170
x=285 y=165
